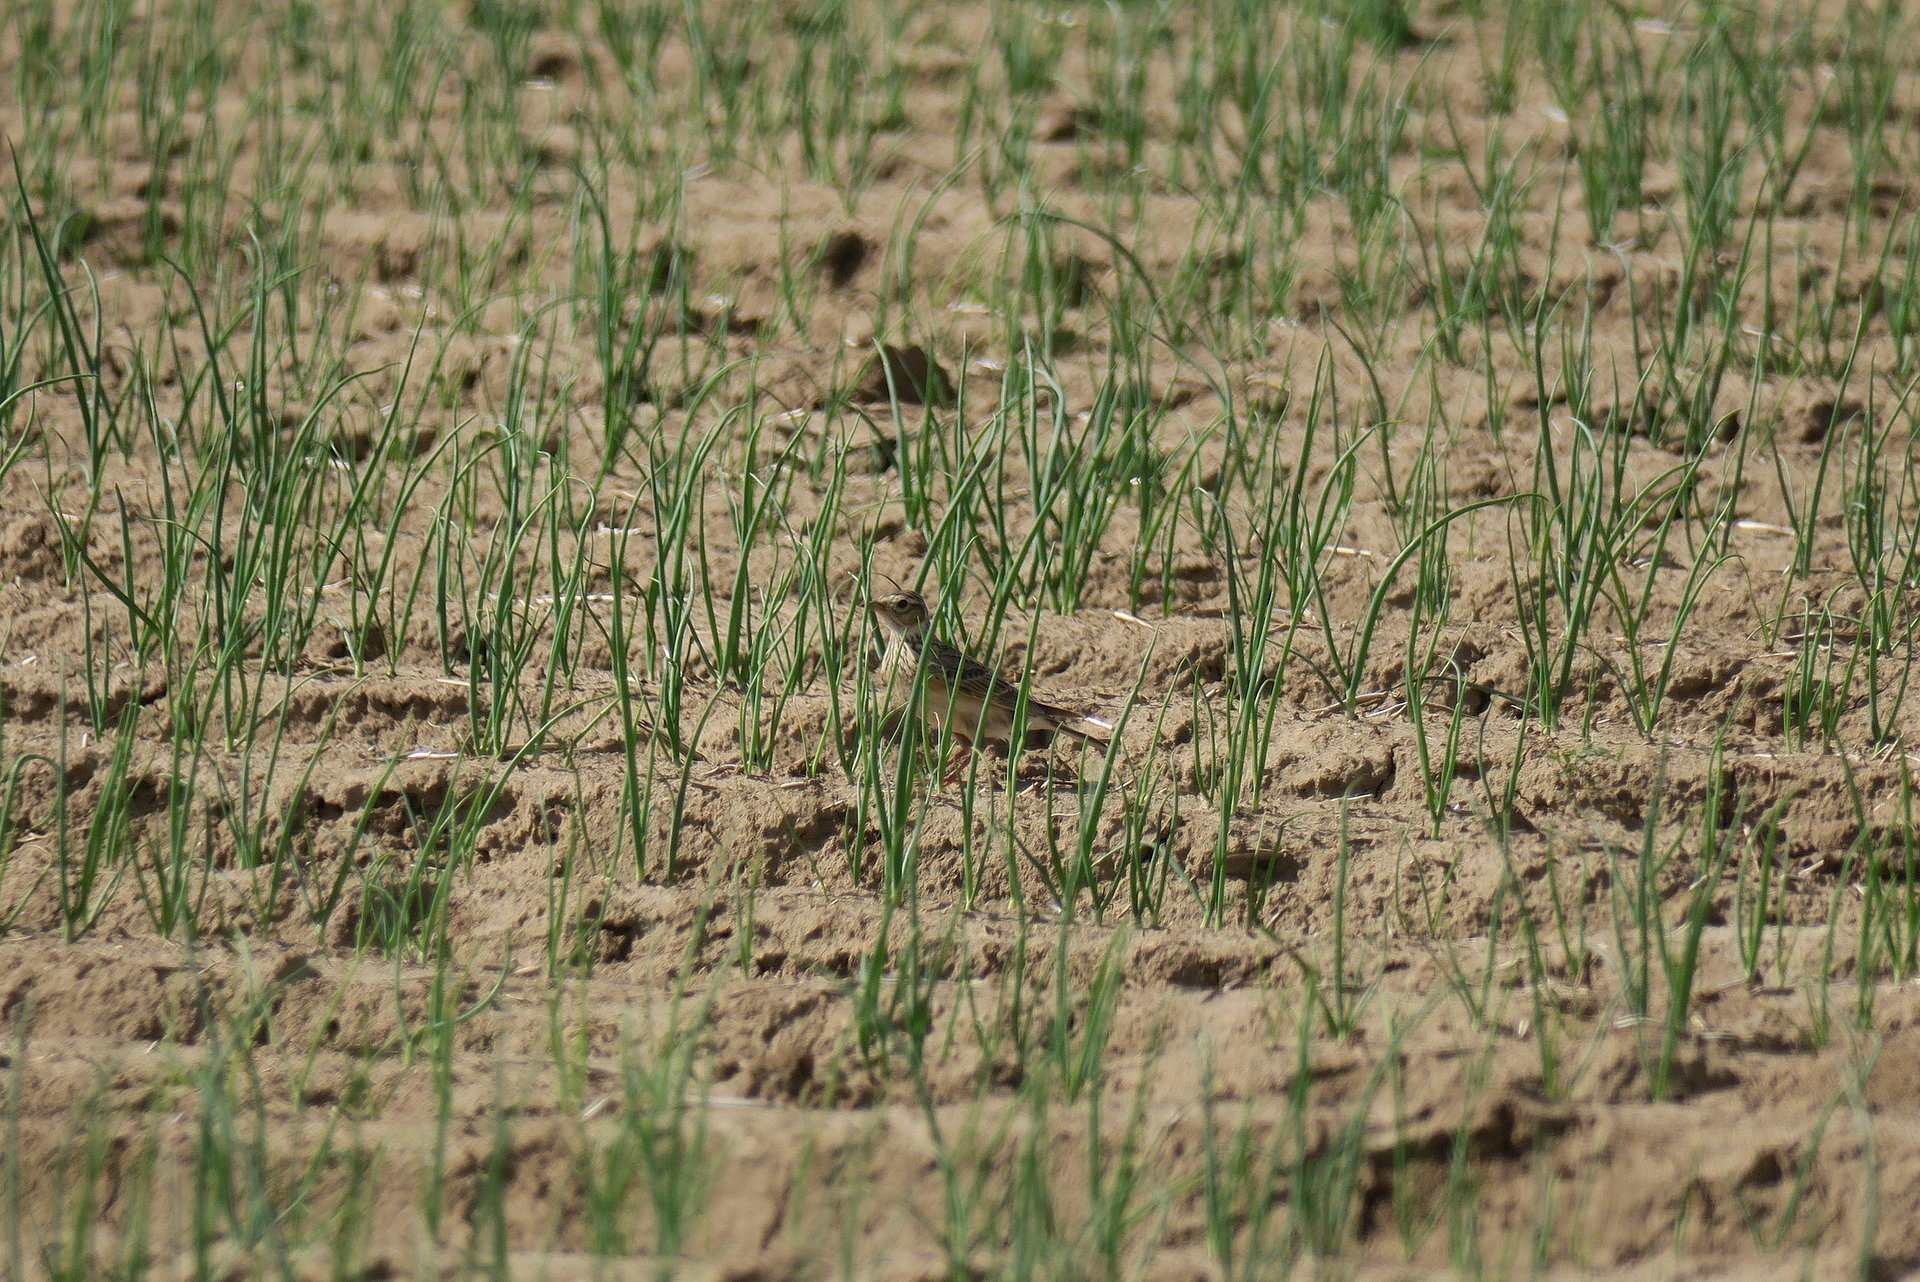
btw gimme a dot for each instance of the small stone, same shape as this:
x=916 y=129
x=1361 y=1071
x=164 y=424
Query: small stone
x=842 y=255
x=907 y=373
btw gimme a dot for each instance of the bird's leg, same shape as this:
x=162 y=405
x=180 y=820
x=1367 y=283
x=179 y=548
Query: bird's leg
x=957 y=763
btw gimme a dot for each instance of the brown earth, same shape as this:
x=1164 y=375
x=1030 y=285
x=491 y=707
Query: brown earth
x=1472 y=1047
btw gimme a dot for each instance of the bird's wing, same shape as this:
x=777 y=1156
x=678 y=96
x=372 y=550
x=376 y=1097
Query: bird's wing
x=975 y=678
x=965 y=672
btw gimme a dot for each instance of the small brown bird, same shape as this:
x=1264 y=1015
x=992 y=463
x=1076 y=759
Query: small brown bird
x=960 y=690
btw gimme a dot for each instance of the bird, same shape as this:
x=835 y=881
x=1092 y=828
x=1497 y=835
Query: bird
x=962 y=693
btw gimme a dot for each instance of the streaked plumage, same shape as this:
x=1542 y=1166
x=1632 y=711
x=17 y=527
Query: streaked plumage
x=959 y=688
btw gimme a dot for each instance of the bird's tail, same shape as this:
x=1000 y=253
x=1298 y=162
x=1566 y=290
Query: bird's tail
x=1094 y=728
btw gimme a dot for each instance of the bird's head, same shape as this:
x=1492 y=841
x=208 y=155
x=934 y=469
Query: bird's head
x=902 y=614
